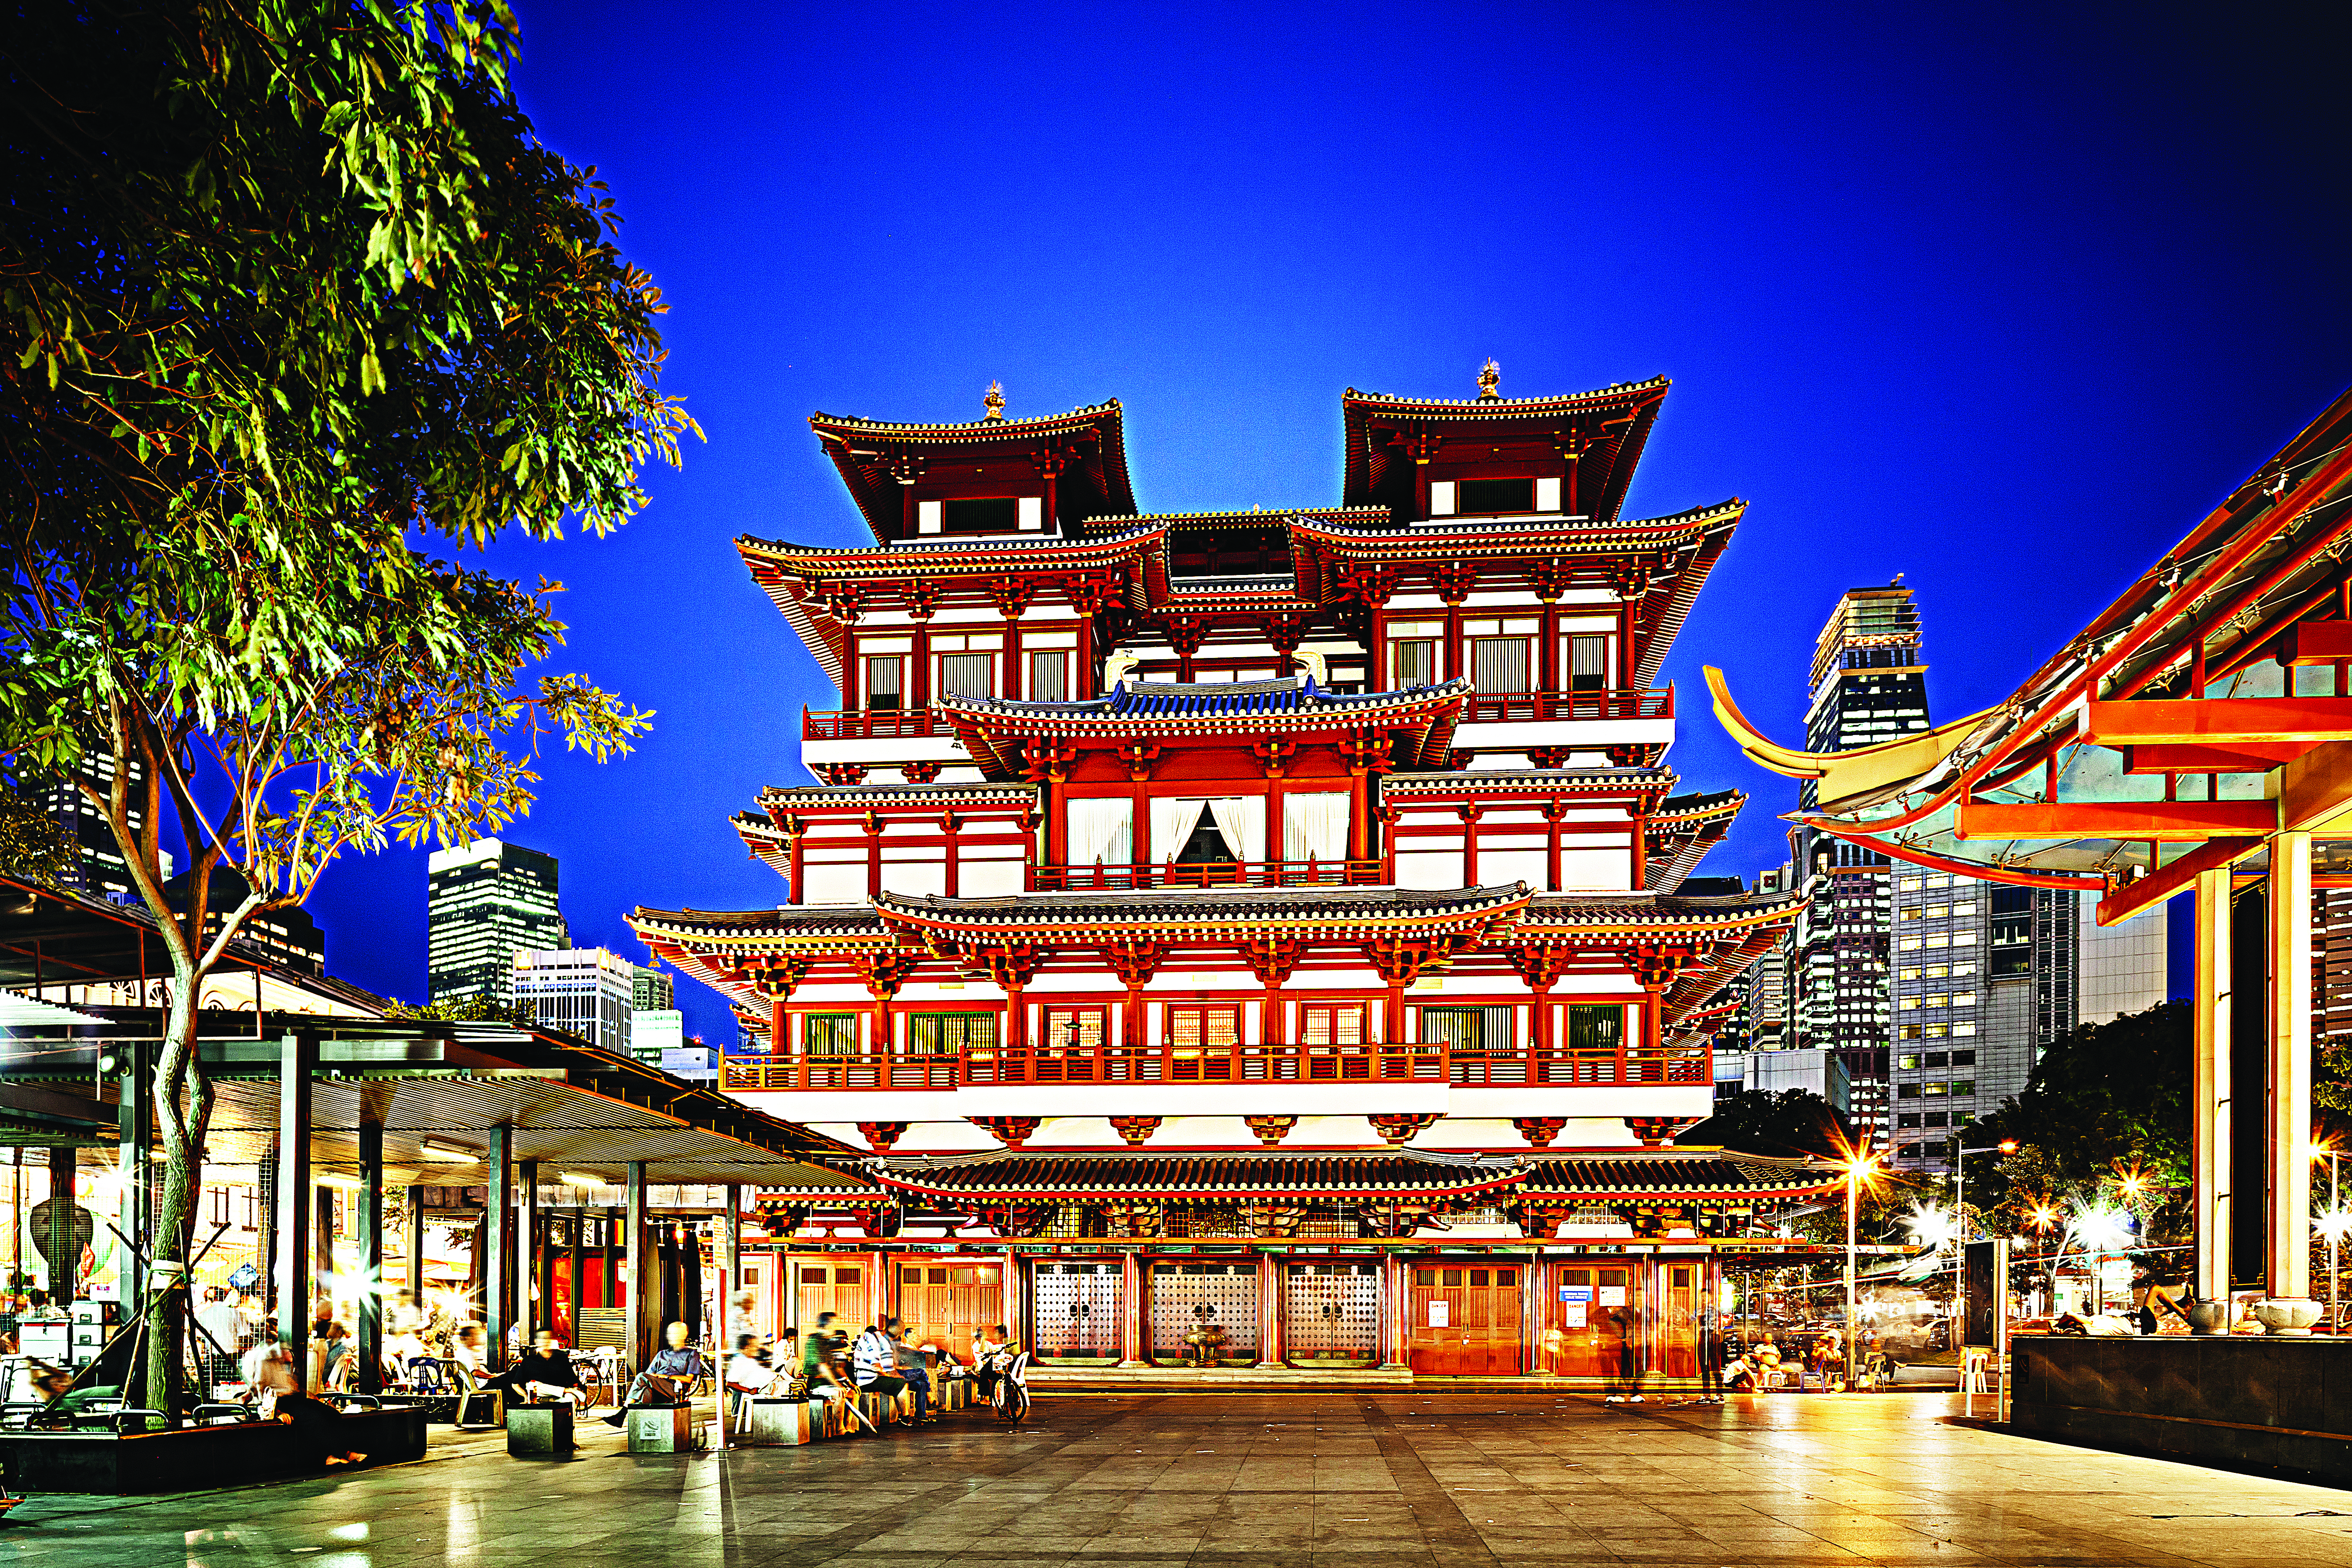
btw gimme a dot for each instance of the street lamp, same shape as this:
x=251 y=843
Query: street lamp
x=1960 y=1252
x=1857 y=1170
x=2334 y=1224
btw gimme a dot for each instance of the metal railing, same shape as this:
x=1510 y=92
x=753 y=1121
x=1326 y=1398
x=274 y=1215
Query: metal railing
x=1537 y=707
x=1422 y=1062
x=1207 y=874
x=868 y=724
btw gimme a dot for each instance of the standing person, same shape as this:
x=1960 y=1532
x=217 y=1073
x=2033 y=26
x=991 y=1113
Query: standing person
x=223 y=1324
x=467 y=1349
x=1710 y=1359
x=264 y=1350
x=1610 y=1332
x=1628 y=1353
x=666 y=1378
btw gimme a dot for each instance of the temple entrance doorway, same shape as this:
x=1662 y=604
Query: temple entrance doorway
x=1464 y=1319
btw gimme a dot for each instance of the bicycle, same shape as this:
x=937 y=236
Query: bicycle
x=1010 y=1397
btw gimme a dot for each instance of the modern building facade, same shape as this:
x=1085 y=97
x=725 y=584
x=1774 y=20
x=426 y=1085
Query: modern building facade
x=289 y=936
x=1267 y=926
x=1939 y=992
x=656 y=989
x=2125 y=968
x=584 y=991
x=96 y=866
x=487 y=903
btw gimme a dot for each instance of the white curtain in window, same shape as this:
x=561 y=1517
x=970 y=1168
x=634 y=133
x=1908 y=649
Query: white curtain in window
x=1102 y=832
x=1172 y=822
x=1315 y=826
x=1241 y=822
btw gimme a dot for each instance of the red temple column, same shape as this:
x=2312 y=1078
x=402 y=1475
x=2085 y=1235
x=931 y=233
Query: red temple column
x=1393 y=1308
x=1130 y=1309
x=1269 y=1311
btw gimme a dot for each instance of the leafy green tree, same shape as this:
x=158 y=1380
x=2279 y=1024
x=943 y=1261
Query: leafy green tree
x=32 y=845
x=2104 y=1118
x=475 y=1009
x=291 y=296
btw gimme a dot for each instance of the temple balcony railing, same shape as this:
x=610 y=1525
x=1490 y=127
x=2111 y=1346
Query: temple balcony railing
x=864 y=1070
x=871 y=724
x=1207 y=874
x=1368 y=1062
x=1365 y=1063
x=1568 y=1067
x=1551 y=707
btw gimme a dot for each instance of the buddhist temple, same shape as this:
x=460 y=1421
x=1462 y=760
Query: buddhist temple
x=1249 y=938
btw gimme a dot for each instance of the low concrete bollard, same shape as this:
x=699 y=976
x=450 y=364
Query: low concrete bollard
x=539 y=1431
x=875 y=1408
x=778 y=1423
x=661 y=1429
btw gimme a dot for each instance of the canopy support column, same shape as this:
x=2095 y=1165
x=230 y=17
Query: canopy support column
x=498 y=1238
x=2287 y=1261
x=531 y=1307
x=644 y=1290
x=60 y=1250
x=367 y=1217
x=1130 y=1309
x=297 y=1057
x=728 y=1246
x=2210 y=1094
x=412 y=1242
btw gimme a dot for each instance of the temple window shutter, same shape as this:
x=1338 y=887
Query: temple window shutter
x=929 y=516
x=1500 y=663
x=1417 y=664
x=1441 y=498
x=1049 y=678
x=1595 y=1028
x=968 y=674
x=829 y=1034
x=884 y=684
x=1548 y=494
x=1587 y=664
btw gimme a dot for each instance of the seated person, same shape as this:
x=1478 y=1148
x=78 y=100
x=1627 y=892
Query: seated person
x=747 y=1371
x=916 y=1368
x=666 y=1378
x=467 y=1349
x=543 y=1375
x=993 y=1351
x=820 y=1360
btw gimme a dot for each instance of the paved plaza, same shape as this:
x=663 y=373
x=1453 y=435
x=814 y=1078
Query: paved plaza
x=1388 y=1480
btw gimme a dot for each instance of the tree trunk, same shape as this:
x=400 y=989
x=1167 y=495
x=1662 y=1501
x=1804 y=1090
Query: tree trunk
x=183 y=1138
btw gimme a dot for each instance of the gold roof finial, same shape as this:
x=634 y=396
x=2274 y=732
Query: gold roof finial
x=995 y=403
x=1490 y=377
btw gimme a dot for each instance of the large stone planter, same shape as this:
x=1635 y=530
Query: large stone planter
x=2288 y=1319
x=2209 y=1318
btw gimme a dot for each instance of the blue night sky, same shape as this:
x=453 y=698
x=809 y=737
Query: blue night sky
x=1999 y=302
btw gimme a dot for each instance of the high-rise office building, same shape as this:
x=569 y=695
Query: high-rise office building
x=654 y=990
x=1984 y=982
x=1869 y=685
x=1938 y=993
x=489 y=902
x=583 y=991
x=2124 y=968
x=96 y=866
x=289 y=935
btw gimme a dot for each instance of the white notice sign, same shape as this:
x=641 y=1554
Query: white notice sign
x=1440 y=1314
x=1575 y=1312
x=1613 y=1295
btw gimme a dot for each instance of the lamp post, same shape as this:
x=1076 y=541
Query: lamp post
x=1960 y=1251
x=2335 y=1226
x=1856 y=1168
